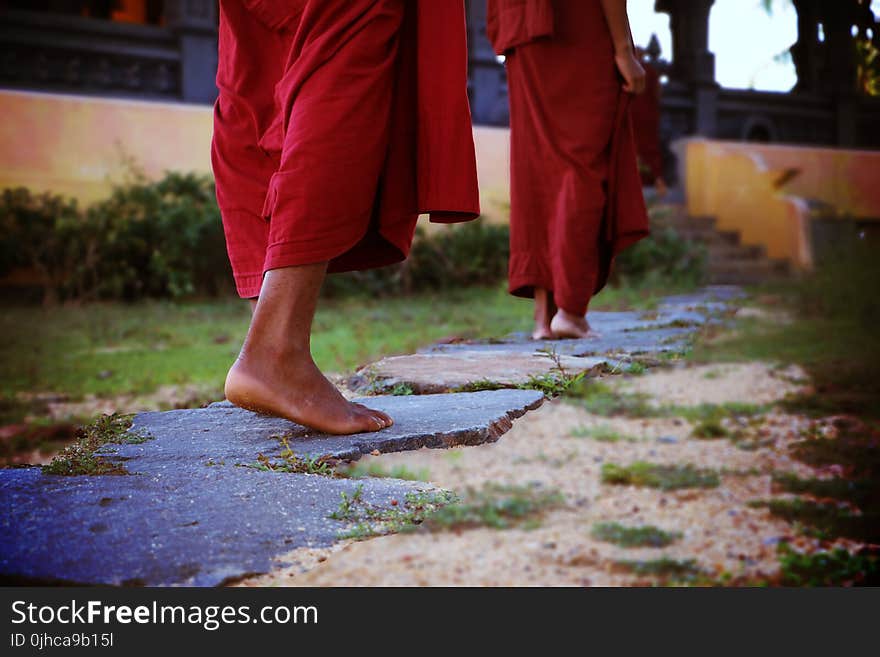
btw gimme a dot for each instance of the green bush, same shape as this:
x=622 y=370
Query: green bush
x=164 y=239
x=475 y=253
x=663 y=255
x=158 y=239
x=41 y=233
x=149 y=239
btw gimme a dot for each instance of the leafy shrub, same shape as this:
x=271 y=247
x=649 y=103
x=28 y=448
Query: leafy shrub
x=149 y=239
x=157 y=239
x=663 y=255
x=164 y=239
x=40 y=232
x=475 y=253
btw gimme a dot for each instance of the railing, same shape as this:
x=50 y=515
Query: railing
x=50 y=52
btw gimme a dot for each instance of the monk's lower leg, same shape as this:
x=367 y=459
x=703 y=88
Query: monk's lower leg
x=544 y=310
x=275 y=373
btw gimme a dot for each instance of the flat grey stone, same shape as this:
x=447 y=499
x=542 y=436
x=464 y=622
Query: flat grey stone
x=194 y=525
x=186 y=439
x=621 y=334
x=427 y=373
x=620 y=341
x=188 y=513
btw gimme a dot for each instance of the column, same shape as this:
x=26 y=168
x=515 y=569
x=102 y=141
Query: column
x=195 y=24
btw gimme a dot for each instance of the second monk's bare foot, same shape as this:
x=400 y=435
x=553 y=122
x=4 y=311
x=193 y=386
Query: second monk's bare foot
x=566 y=325
x=542 y=332
x=295 y=389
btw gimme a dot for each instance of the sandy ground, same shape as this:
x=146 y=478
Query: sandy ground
x=719 y=530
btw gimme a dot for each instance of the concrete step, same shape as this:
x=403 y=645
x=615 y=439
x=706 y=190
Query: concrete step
x=721 y=251
x=710 y=236
x=745 y=272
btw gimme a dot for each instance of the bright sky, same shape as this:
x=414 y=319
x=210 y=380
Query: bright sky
x=750 y=46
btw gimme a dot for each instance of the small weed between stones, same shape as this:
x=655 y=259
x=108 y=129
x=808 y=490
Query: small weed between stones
x=835 y=568
x=667 y=571
x=290 y=462
x=494 y=506
x=479 y=386
x=373 y=520
x=858 y=492
x=636 y=368
x=664 y=477
x=402 y=390
x=629 y=537
x=79 y=458
x=603 y=434
x=359 y=470
x=710 y=430
x=825 y=520
x=599 y=399
x=557 y=381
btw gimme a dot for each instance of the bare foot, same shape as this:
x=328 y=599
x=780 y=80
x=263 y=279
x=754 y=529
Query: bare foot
x=566 y=325
x=542 y=333
x=295 y=389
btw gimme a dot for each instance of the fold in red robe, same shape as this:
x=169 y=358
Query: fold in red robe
x=337 y=124
x=576 y=198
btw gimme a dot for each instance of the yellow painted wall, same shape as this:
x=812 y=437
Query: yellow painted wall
x=78 y=146
x=760 y=191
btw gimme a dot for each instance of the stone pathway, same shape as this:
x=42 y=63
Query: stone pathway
x=200 y=507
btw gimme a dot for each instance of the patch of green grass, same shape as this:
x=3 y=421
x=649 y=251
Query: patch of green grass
x=479 y=386
x=402 y=390
x=710 y=430
x=117 y=348
x=636 y=368
x=79 y=457
x=359 y=470
x=644 y=536
x=374 y=520
x=716 y=412
x=494 y=506
x=603 y=434
x=349 y=505
x=111 y=349
x=600 y=399
x=835 y=568
x=825 y=520
x=860 y=492
x=290 y=462
x=666 y=570
x=553 y=384
x=655 y=475
x=835 y=313
x=857 y=450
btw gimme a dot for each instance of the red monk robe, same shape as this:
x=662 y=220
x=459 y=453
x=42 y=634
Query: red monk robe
x=337 y=124
x=576 y=198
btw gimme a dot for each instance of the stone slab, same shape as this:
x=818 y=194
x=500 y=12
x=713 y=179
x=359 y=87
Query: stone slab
x=186 y=439
x=427 y=373
x=189 y=526
x=621 y=342
x=621 y=334
x=188 y=513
